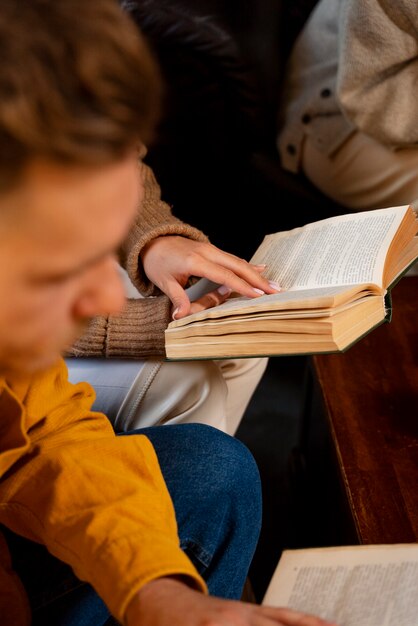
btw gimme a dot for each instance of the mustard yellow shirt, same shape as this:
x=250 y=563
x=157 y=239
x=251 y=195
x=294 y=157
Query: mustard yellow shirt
x=96 y=501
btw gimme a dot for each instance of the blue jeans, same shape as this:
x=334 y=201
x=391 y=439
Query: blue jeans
x=215 y=487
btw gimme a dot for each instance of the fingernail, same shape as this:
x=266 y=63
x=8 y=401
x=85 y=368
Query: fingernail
x=174 y=314
x=261 y=266
x=223 y=290
x=274 y=285
x=262 y=293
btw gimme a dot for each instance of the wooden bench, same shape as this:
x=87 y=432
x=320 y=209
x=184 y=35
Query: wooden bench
x=370 y=397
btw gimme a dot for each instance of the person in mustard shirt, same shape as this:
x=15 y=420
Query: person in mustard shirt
x=155 y=527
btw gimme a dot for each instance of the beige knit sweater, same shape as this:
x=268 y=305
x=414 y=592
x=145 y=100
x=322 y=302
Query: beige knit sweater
x=138 y=331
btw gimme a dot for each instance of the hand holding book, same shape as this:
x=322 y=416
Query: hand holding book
x=336 y=275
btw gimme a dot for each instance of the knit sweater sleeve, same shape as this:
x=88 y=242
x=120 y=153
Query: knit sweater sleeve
x=138 y=332
x=378 y=68
x=154 y=219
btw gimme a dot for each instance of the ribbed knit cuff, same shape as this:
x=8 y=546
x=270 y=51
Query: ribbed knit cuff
x=93 y=342
x=138 y=331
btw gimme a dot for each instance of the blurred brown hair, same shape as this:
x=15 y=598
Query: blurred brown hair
x=78 y=83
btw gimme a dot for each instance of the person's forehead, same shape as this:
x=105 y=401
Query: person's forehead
x=56 y=193
x=72 y=209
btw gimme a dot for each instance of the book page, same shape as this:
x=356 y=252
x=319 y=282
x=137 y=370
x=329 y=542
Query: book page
x=343 y=250
x=286 y=300
x=355 y=586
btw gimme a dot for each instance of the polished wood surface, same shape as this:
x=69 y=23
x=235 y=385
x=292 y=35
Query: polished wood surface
x=370 y=395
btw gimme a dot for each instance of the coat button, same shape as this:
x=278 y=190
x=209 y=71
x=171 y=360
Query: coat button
x=306 y=118
x=291 y=149
x=325 y=93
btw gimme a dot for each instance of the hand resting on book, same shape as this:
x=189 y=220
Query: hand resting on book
x=170 y=261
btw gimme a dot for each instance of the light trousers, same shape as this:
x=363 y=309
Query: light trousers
x=363 y=173
x=139 y=394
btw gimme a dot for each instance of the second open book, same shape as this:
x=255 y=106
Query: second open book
x=367 y=585
x=336 y=276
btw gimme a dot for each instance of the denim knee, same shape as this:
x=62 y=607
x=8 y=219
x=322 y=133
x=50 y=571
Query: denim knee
x=203 y=460
x=215 y=486
x=230 y=467
x=229 y=503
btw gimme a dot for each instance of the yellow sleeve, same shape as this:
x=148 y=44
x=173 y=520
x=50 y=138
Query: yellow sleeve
x=97 y=501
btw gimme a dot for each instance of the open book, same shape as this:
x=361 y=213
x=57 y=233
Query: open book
x=336 y=275
x=373 y=585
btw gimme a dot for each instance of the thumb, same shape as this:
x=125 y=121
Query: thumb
x=180 y=301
